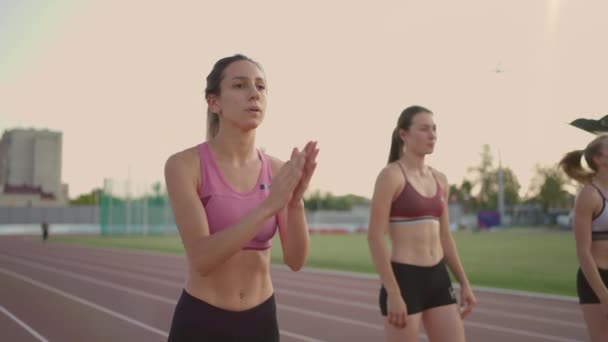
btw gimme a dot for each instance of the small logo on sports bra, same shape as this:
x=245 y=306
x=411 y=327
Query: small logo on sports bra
x=264 y=186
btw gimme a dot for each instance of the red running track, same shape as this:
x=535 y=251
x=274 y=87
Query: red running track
x=57 y=292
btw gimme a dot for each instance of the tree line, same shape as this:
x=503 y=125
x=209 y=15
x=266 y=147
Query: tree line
x=549 y=187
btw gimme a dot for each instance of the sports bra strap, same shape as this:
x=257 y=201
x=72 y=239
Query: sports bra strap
x=600 y=191
x=402 y=169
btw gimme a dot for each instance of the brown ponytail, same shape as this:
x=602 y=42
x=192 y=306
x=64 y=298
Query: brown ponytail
x=572 y=166
x=571 y=162
x=213 y=124
x=396 y=146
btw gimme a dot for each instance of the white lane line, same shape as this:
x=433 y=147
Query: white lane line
x=374 y=295
x=23 y=325
x=371 y=276
x=298 y=336
x=84 y=302
x=367 y=294
x=116 y=287
x=322 y=271
x=92 y=280
x=333 y=300
x=162 y=299
x=522 y=332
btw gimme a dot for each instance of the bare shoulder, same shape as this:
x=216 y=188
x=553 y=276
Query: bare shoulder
x=588 y=195
x=389 y=183
x=391 y=177
x=183 y=163
x=391 y=170
x=275 y=163
x=441 y=177
x=587 y=204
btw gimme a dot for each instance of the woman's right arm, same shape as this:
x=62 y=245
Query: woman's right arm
x=384 y=191
x=204 y=251
x=583 y=215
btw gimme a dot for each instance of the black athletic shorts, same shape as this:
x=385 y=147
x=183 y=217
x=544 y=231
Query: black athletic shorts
x=584 y=290
x=196 y=320
x=422 y=287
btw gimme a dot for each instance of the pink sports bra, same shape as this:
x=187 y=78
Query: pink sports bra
x=224 y=206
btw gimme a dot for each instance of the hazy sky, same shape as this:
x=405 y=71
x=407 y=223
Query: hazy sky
x=123 y=80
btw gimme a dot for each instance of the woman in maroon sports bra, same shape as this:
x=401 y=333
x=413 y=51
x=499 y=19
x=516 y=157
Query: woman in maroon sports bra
x=410 y=203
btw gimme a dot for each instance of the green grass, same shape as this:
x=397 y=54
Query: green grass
x=518 y=260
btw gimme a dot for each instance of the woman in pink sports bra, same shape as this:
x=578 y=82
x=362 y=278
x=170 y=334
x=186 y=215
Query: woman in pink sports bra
x=590 y=226
x=410 y=203
x=229 y=199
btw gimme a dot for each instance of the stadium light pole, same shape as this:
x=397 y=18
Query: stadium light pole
x=501 y=191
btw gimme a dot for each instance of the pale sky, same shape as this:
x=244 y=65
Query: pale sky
x=123 y=80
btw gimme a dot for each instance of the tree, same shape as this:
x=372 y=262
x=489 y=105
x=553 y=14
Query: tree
x=549 y=188
x=465 y=188
x=511 y=189
x=485 y=179
x=317 y=201
x=455 y=193
x=158 y=195
x=313 y=201
x=487 y=183
x=91 y=198
x=463 y=194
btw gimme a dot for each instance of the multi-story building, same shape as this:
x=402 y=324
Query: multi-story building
x=30 y=168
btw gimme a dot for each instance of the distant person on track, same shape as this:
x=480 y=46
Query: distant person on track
x=590 y=225
x=45 y=230
x=410 y=203
x=228 y=200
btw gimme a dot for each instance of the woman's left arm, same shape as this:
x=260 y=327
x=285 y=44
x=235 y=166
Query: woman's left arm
x=451 y=252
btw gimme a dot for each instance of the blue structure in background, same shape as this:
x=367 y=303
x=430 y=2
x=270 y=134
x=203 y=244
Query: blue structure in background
x=488 y=219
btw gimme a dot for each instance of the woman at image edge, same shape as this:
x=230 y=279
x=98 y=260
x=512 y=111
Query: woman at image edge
x=590 y=225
